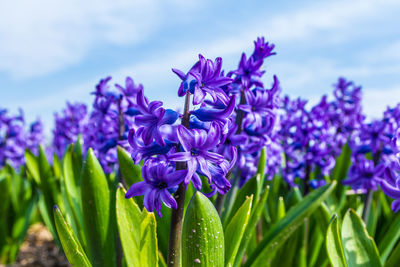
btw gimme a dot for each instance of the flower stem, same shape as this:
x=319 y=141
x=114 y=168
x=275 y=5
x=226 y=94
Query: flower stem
x=367 y=205
x=175 y=233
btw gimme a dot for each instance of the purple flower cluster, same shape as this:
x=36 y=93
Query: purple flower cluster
x=255 y=116
x=110 y=120
x=385 y=145
x=15 y=138
x=232 y=119
x=68 y=126
x=312 y=139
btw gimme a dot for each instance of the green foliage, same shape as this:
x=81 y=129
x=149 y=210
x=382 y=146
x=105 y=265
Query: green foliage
x=137 y=232
x=286 y=226
x=97 y=216
x=235 y=230
x=265 y=223
x=17 y=208
x=202 y=234
x=359 y=247
x=72 y=247
x=334 y=244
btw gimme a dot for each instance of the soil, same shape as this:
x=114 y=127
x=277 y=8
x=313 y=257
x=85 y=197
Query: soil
x=39 y=250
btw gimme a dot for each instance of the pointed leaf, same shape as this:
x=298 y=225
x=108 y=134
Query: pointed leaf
x=148 y=239
x=246 y=191
x=283 y=229
x=261 y=170
x=334 y=245
x=235 y=230
x=97 y=217
x=129 y=219
x=72 y=184
x=359 y=247
x=130 y=172
x=251 y=225
x=70 y=243
x=390 y=238
x=32 y=166
x=202 y=234
x=394 y=258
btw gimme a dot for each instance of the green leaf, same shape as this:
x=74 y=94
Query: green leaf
x=202 y=234
x=130 y=172
x=283 y=229
x=334 y=245
x=97 y=217
x=390 y=239
x=32 y=166
x=249 y=232
x=72 y=182
x=281 y=208
x=4 y=194
x=56 y=166
x=261 y=171
x=148 y=239
x=70 y=243
x=359 y=247
x=246 y=191
x=343 y=163
x=394 y=258
x=129 y=219
x=235 y=230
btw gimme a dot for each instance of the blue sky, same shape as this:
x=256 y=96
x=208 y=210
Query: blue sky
x=53 y=51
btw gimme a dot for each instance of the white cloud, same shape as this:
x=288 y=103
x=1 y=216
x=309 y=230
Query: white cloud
x=62 y=34
x=39 y=37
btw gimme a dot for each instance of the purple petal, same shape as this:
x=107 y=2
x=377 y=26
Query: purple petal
x=185 y=137
x=180 y=74
x=149 y=200
x=390 y=190
x=180 y=156
x=175 y=178
x=203 y=166
x=168 y=200
x=138 y=189
x=396 y=205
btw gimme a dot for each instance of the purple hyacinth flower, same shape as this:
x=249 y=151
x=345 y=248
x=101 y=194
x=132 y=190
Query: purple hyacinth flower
x=159 y=178
x=141 y=151
x=364 y=175
x=131 y=89
x=212 y=114
x=257 y=107
x=262 y=49
x=205 y=77
x=249 y=72
x=196 y=144
x=152 y=117
x=391 y=184
x=102 y=87
x=392 y=191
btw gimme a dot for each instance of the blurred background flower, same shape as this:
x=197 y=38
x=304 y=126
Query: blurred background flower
x=52 y=52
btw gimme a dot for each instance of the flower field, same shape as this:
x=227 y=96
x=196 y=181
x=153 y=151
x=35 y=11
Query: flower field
x=240 y=175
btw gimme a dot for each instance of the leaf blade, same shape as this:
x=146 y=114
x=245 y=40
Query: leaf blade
x=235 y=230
x=359 y=247
x=282 y=230
x=334 y=244
x=70 y=243
x=202 y=234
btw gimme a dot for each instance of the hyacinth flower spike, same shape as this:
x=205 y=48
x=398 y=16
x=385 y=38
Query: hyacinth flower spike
x=152 y=117
x=159 y=180
x=212 y=114
x=205 y=77
x=196 y=144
